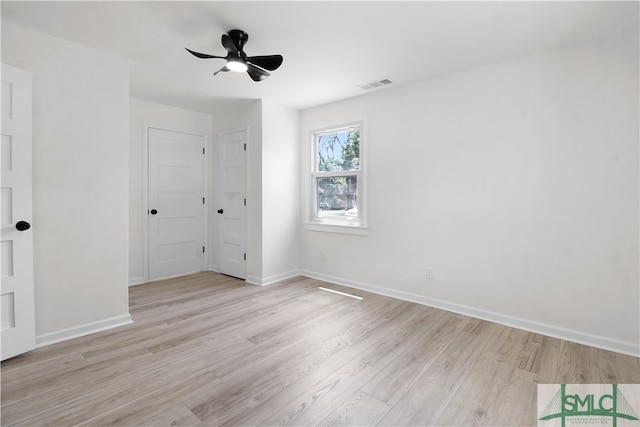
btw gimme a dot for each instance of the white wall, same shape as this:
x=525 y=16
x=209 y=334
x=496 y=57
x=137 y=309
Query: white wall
x=516 y=182
x=173 y=118
x=80 y=181
x=280 y=192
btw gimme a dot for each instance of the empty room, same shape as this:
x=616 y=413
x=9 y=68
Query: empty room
x=320 y=213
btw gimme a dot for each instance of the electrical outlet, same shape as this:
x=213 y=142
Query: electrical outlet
x=429 y=274
x=323 y=256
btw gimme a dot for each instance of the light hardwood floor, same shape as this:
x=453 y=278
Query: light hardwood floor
x=207 y=349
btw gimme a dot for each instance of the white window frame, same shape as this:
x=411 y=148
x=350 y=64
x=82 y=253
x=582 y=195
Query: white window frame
x=357 y=225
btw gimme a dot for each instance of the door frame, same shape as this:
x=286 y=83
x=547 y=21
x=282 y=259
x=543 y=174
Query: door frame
x=145 y=192
x=244 y=129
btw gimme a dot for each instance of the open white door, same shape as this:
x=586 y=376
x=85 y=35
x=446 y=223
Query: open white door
x=232 y=204
x=17 y=309
x=176 y=203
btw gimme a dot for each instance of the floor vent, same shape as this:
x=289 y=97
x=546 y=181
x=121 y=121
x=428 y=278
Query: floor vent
x=340 y=293
x=376 y=84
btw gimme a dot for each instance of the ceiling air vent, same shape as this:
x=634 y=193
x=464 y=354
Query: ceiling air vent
x=375 y=84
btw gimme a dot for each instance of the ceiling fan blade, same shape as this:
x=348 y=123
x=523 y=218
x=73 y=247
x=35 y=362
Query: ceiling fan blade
x=256 y=74
x=223 y=69
x=228 y=44
x=268 y=62
x=203 y=55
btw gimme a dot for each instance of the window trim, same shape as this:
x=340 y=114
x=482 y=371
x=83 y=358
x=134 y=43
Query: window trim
x=359 y=226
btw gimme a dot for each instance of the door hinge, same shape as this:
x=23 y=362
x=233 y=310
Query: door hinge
x=245 y=257
x=245 y=202
x=202 y=150
x=203 y=200
x=245 y=146
x=203 y=249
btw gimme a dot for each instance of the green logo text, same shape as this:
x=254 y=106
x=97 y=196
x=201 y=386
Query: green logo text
x=612 y=405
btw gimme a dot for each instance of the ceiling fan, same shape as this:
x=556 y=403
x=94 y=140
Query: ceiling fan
x=257 y=67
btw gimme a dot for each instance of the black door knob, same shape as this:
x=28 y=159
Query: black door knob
x=220 y=211
x=153 y=211
x=23 y=225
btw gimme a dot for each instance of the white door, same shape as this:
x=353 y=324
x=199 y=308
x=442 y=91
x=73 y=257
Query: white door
x=232 y=204
x=16 y=292
x=176 y=203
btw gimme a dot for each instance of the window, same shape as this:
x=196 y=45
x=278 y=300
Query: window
x=337 y=181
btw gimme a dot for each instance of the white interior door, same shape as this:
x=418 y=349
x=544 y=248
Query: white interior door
x=16 y=292
x=232 y=205
x=176 y=203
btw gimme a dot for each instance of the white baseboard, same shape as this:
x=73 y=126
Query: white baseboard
x=214 y=267
x=82 y=330
x=605 y=343
x=133 y=281
x=253 y=280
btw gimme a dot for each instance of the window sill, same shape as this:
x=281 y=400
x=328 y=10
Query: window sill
x=337 y=228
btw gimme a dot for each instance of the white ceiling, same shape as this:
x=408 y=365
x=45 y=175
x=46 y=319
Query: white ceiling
x=330 y=48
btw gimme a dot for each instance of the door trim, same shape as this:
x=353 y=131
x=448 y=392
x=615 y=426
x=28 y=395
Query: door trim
x=145 y=192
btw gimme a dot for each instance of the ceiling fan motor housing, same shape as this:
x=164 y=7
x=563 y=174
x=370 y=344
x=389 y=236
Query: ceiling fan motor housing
x=240 y=38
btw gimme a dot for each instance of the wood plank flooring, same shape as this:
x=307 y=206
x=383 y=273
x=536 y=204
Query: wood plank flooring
x=207 y=349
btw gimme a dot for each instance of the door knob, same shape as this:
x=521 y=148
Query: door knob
x=220 y=211
x=22 y=225
x=153 y=211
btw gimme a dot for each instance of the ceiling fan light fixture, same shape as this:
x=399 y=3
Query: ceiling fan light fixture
x=257 y=67
x=236 y=64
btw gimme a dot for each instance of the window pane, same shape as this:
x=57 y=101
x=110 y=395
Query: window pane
x=339 y=151
x=337 y=197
